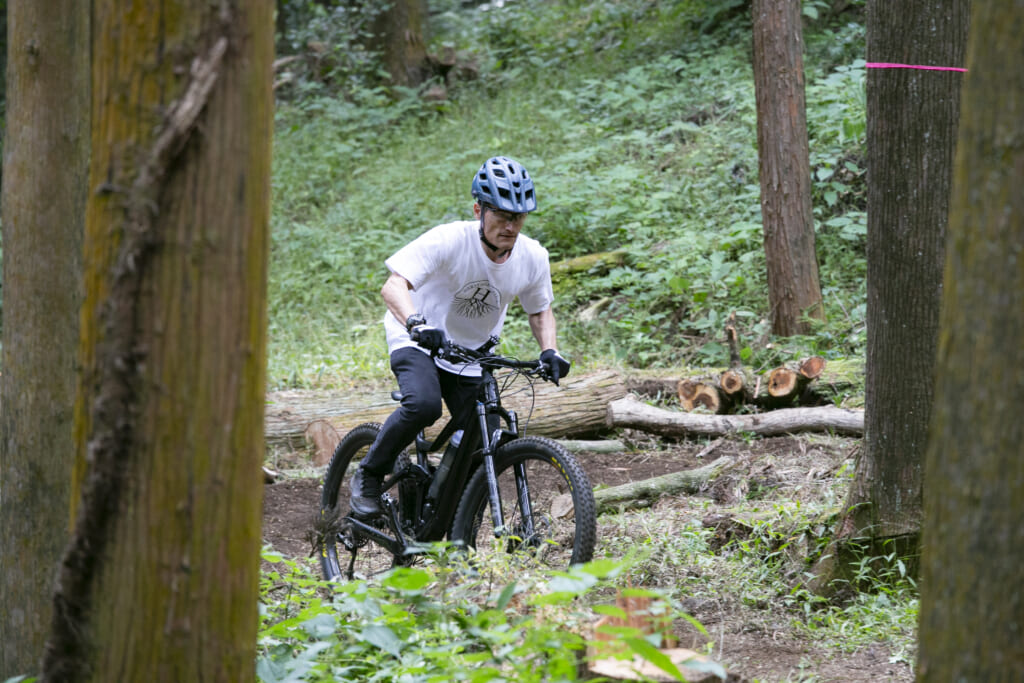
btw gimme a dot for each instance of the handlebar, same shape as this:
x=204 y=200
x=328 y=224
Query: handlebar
x=451 y=351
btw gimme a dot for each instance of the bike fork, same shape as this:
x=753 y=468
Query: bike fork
x=497 y=517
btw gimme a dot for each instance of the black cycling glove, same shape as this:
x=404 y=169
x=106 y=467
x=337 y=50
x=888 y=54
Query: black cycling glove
x=430 y=338
x=557 y=366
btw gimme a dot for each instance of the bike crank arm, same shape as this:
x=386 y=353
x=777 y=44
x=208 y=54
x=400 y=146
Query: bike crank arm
x=394 y=546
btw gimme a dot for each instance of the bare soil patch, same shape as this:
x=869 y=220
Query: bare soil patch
x=754 y=642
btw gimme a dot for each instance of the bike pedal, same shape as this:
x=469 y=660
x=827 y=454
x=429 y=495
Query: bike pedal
x=377 y=521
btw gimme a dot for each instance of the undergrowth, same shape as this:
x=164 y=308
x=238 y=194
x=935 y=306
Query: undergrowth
x=447 y=620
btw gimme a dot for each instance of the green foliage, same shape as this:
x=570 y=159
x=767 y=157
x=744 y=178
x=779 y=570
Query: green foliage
x=638 y=122
x=773 y=562
x=441 y=621
x=325 y=47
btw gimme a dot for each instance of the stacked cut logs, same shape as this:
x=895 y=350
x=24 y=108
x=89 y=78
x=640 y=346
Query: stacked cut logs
x=783 y=386
x=738 y=387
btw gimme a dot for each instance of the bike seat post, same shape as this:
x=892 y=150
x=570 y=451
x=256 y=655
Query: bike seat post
x=422 y=449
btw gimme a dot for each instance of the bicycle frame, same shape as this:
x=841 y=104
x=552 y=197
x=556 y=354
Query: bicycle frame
x=432 y=520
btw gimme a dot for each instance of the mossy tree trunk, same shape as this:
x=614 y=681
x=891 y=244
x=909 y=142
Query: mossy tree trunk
x=46 y=159
x=794 y=289
x=972 y=603
x=911 y=127
x=160 y=579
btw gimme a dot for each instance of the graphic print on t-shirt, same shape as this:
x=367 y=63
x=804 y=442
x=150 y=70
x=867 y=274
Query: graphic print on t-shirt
x=476 y=300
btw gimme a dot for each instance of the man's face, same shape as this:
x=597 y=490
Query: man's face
x=501 y=228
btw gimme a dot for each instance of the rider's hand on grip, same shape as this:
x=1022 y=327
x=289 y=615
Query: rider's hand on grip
x=557 y=367
x=430 y=338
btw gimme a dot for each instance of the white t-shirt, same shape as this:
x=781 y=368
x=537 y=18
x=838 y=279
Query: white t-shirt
x=458 y=289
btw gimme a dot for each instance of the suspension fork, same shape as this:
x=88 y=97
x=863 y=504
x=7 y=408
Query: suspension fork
x=493 y=494
x=491 y=441
x=523 y=493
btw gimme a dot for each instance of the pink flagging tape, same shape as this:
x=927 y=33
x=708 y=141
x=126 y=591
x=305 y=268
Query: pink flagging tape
x=889 y=65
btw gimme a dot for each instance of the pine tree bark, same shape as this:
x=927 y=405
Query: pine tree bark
x=46 y=157
x=160 y=579
x=971 y=599
x=794 y=289
x=912 y=116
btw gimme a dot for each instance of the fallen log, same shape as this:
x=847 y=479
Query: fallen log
x=641 y=494
x=588 y=263
x=578 y=407
x=630 y=412
x=600 y=446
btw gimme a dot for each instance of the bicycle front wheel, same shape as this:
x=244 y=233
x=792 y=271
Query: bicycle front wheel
x=546 y=501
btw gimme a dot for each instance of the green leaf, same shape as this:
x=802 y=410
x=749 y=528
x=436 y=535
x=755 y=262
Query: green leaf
x=320 y=626
x=655 y=657
x=382 y=637
x=611 y=610
x=271 y=556
x=408 y=579
x=506 y=595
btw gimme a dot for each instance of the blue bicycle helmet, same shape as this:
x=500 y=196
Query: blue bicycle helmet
x=504 y=184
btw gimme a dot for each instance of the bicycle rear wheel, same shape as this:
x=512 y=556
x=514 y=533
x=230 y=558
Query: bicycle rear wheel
x=546 y=500
x=346 y=554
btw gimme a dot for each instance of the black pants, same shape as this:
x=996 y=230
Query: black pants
x=423 y=385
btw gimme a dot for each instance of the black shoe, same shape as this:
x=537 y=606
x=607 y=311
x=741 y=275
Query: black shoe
x=365 y=494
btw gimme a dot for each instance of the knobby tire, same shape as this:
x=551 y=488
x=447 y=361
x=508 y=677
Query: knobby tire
x=562 y=534
x=337 y=534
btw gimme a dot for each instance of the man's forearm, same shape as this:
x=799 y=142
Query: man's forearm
x=543 y=327
x=395 y=293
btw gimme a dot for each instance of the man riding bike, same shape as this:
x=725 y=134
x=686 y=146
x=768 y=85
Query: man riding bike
x=456 y=282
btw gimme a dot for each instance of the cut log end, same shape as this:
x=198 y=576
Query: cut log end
x=732 y=382
x=782 y=382
x=693 y=395
x=687 y=390
x=812 y=367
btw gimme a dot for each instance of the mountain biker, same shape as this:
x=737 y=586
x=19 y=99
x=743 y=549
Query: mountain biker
x=455 y=282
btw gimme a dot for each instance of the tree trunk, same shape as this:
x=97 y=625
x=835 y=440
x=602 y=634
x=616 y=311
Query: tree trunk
x=160 y=580
x=46 y=148
x=911 y=121
x=794 y=291
x=398 y=35
x=971 y=597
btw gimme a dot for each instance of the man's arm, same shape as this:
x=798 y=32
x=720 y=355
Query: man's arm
x=543 y=327
x=397 y=298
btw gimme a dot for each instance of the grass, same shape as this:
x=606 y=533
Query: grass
x=640 y=132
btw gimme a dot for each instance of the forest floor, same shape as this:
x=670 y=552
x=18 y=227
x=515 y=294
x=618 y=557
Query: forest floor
x=755 y=639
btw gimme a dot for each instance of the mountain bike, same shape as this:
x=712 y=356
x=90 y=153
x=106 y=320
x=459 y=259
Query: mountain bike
x=494 y=489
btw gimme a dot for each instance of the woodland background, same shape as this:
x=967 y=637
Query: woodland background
x=709 y=158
